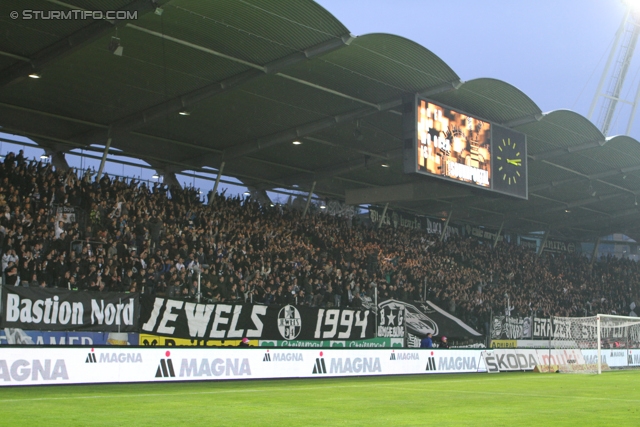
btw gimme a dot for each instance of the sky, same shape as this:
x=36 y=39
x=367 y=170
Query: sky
x=552 y=50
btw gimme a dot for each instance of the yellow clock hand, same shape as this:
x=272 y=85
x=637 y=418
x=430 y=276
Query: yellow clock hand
x=515 y=162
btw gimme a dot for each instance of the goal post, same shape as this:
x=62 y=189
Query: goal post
x=579 y=343
x=617 y=332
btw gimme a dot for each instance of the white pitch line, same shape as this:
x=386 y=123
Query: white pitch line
x=101 y=396
x=494 y=393
x=429 y=385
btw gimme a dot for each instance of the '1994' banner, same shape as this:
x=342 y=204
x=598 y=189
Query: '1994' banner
x=182 y=319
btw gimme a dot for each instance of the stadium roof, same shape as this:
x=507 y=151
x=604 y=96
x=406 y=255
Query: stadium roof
x=251 y=76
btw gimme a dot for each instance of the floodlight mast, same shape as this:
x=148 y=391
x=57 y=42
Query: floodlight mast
x=625 y=45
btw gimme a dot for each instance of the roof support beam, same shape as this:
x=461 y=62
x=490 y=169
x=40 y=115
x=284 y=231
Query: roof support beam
x=415 y=191
x=543 y=243
x=495 y=242
x=594 y=255
x=595 y=177
x=57 y=159
x=70 y=44
x=14 y=56
x=291 y=134
x=288 y=135
x=341 y=168
x=104 y=158
x=446 y=224
x=170 y=179
x=383 y=156
x=185 y=101
x=564 y=151
x=384 y=212
x=617 y=215
x=215 y=187
x=577 y=203
x=441 y=88
x=523 y=120
x=306 y=205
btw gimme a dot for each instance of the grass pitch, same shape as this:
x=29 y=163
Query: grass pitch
x=516 y=399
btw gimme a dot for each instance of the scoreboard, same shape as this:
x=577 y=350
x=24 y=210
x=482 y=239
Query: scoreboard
x=456 y=146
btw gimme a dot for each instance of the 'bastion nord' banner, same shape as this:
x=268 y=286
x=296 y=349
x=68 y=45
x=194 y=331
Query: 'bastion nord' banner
x=183 y=319
x=63 y=310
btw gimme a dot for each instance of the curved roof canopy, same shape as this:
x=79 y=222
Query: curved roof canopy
x=255 y=75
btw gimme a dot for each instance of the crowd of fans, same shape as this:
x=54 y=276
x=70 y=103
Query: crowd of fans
x=61 y=229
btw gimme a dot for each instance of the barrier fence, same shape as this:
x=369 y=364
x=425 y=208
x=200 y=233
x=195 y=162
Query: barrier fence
x=83 y=365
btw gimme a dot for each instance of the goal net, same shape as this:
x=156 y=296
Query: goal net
x=591 y=344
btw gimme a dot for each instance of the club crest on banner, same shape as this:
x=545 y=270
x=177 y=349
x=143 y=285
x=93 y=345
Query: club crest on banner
x=289 y=322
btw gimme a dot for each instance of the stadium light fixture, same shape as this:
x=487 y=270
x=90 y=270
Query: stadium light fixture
x=357 y=133
x=385 y=165
x=156 y=8
x=635 y=202
x=45 y=157
x=633 y=5
x=35 y=75
x=184 y=112
x=247 y=193
x=567 y=210
x=155 y=176
x=297 y=143
x=323 y=207
x=115 y=47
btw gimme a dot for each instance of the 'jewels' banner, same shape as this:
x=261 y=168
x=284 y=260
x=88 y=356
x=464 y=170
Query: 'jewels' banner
x=182 y=319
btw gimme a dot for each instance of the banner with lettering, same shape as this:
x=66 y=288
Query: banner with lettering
x=183 y=319
x=413 y=222
x=415 y=319
x=10 y=336
x=510 y=328
x=551 y=245
x=64 y=310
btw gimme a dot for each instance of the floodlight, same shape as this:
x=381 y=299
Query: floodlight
x=115 y=47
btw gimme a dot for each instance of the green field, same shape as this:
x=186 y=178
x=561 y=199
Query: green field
x=522 y=399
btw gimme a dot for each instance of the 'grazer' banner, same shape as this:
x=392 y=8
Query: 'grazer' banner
x=182 y=319
x=63 y=310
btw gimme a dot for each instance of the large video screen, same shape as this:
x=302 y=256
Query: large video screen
x=453 y=144
x=459 y=147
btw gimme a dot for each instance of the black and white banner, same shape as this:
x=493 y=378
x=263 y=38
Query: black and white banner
x=511 y=328
x=63 y=310
x=542 y=328
x=420 y=319
x=405 y=220
x=181 y=319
